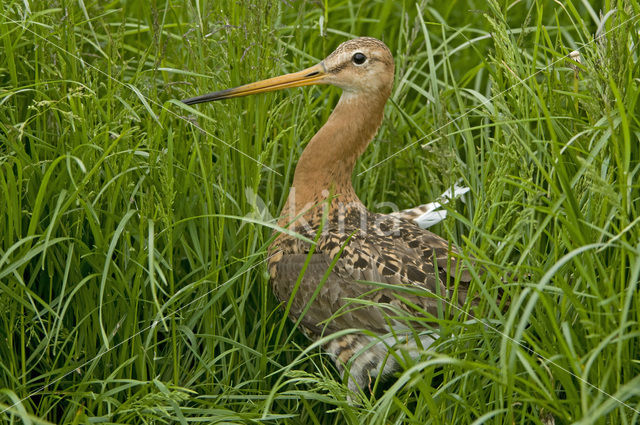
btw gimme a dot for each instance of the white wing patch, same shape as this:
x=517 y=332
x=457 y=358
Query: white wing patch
x=427 y=215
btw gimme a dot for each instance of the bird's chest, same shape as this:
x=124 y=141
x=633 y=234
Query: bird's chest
x=325 y=232
x=333 y=246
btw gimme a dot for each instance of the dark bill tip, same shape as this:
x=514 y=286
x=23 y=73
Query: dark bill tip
x=219 y=95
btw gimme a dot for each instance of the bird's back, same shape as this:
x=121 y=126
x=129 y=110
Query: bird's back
x=384 y=262
x=366 y=271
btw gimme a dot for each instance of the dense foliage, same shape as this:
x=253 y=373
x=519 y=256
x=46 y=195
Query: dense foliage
x=133 y=286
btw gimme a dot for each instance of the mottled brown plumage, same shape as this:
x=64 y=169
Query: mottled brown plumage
x=329 y=283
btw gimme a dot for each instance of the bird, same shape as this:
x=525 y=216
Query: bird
x=339 y=266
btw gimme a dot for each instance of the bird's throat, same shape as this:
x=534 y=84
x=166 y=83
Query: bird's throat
x=326 y=165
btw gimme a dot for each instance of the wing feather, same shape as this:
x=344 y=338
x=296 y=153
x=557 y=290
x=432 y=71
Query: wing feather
x=412 y=257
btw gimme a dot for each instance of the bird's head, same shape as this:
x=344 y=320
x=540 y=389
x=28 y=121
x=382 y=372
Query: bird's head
x=361 y=66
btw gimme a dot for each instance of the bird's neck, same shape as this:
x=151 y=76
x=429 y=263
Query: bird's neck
x=326 y=165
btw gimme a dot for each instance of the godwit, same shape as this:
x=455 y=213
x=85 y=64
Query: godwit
x=318 y=282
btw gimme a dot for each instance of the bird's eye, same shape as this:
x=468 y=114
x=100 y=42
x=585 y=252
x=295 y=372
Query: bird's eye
x=359 y=58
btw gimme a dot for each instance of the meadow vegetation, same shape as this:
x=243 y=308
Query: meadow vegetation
x=133 y=285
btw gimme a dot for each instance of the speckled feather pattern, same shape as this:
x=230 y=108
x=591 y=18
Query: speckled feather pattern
x=365 y=247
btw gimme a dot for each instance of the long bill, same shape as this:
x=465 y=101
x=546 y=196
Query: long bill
x=314 y=75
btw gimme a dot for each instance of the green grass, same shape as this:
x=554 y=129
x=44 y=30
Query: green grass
x=132 y=290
